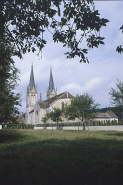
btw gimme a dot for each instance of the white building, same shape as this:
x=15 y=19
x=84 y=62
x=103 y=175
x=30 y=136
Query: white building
x=36 y=109
x=107 y=116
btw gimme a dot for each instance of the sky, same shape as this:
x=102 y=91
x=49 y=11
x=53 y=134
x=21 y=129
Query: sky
x=96 y=78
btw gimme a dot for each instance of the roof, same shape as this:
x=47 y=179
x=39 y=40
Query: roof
x=111 y=114
x=32 y=81
x=102 y=115
x=47 y=103
x=20 y=118
x=108 y=114
x=51 y=83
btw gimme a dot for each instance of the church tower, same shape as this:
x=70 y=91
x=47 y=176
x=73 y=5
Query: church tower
x=31 y=98
x=51 y=92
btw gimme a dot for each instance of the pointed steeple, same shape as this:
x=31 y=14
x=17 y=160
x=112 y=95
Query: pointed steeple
x=32 y=81
x=51 y=83
x=31 y=97
x=51 y=92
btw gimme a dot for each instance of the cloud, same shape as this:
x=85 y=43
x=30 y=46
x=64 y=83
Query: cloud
x=89 y=87
x=96 y=78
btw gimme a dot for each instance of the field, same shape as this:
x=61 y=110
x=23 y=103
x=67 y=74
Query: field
x=46 y=157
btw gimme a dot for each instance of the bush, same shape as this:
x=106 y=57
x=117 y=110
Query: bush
x=18 y=126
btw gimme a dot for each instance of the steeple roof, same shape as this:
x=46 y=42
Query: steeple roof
x=51 y=83
x=32 y=81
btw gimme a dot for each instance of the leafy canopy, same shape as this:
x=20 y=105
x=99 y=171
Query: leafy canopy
x=70 y=22
x=54 y=115
x=8 y=82
x=117 y=96
x=82 y=107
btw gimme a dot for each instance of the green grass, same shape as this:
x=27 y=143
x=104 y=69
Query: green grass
x=45 y=157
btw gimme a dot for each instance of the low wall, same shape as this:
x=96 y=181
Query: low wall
x=94 y=128
x=115 y=127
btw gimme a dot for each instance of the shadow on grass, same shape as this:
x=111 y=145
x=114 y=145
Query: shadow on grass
x=84 y=161
x=10 y=136
x=114 y=133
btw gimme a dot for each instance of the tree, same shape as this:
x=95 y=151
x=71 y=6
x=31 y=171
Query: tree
x=117 y=96
x=82 y=107
x=8 y=81
x=54 y=115
x=44 y=119
x=69 y=21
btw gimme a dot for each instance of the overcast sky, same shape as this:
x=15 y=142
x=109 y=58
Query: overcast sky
x=95 y=78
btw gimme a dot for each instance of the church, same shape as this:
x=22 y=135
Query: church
x=36 y=109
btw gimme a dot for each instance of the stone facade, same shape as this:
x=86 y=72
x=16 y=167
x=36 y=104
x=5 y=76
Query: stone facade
x=36 y=109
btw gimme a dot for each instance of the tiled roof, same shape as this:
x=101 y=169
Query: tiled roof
x=47 y=103
x=20 y=118
x=111 y=114
x=108 y=114
x=102 y=115
x=66 y=95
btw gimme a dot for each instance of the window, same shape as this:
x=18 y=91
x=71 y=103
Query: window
x=62 y=105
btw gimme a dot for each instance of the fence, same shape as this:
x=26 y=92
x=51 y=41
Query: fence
x=68 y=125
x=88 y=123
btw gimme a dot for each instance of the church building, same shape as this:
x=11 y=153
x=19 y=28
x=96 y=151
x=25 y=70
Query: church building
x=36 y=109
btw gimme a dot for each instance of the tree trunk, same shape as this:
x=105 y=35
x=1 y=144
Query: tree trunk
x=57 y=125
x=83 y=126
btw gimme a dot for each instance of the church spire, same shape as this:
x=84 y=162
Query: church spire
x=32 y=81
x=31 y=97
x=51 y=92
x=51 y=83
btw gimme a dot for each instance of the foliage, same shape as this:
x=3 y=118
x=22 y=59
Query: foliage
x=69 y=22
x=82 y=107
x=119 y=49
x=8 y=82
x=54 y=115
x=117 y=96
x=16 y=125
x=44 y=119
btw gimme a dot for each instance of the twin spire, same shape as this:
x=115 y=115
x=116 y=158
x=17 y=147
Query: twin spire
x=51 y=90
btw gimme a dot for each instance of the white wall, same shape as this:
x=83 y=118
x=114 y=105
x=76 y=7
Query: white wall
x=90 y=128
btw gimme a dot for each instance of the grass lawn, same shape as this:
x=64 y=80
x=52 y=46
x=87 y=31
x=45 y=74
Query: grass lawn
x=44 y=157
